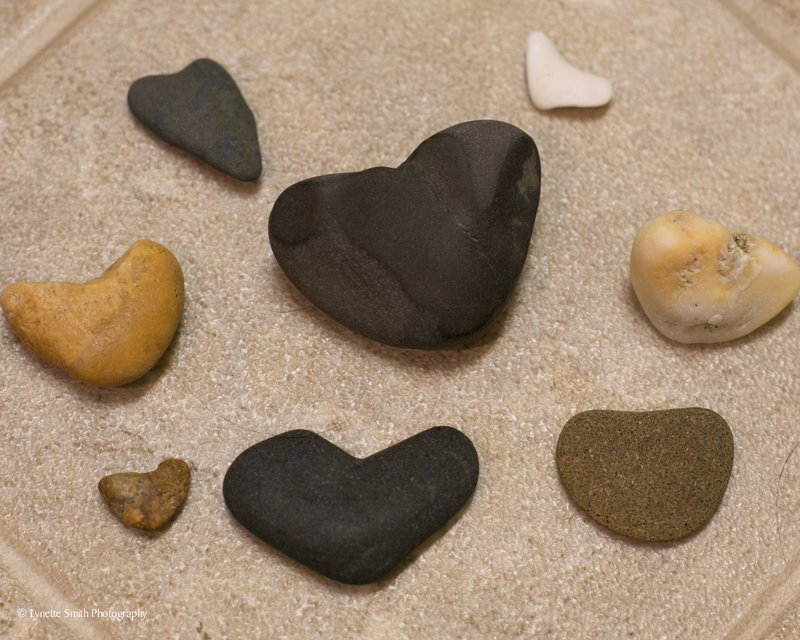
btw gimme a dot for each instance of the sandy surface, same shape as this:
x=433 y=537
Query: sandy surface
x=704 y=118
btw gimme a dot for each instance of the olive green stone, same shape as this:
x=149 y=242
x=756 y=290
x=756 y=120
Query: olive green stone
x=655 y=476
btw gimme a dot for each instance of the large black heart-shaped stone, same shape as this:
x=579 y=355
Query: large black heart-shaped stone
x=350 y=519
x=201 y=110
x=421 y=256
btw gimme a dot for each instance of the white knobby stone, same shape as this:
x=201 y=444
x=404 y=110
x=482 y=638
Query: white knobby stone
x=553 y=82
x=697 y=282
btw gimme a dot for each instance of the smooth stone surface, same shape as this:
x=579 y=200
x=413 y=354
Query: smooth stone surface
x=655 y=476
x=553 y=82
x=201 y=110
x=352 y=520
x=147 y=500
x=421 y=256
x=110 y=330
x=698 y=282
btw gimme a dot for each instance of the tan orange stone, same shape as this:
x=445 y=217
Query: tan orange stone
x=110 y=330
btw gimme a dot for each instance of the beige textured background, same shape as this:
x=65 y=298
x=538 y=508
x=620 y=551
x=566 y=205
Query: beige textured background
x=705 y=117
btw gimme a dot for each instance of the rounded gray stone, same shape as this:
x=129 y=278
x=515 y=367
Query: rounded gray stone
x=201 y=110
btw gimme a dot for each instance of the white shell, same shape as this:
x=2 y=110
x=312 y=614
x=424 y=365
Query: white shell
x=697 y=282
x=553 y=82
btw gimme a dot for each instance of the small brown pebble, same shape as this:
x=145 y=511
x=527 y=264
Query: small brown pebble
x=655 y=476
x=147 y=500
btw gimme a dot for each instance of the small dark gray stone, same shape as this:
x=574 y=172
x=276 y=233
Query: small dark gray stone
x=655 y=476
x=352 y=520
x=421 y=256
x=201 y=110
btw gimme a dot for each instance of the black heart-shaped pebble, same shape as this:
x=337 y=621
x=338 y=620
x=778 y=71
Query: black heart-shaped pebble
x=655 y=476
x=421 y=256
x=201 y=110
x=352 y=520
